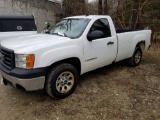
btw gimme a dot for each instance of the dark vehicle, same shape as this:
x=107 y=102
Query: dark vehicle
x=16 y=26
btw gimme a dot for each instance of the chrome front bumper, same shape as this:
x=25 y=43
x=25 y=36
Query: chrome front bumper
x=28 y=84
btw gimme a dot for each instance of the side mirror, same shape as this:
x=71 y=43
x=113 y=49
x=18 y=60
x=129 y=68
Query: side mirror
x=95 y=35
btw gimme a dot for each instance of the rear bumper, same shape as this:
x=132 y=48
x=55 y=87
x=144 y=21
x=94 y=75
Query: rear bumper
x=28 y=84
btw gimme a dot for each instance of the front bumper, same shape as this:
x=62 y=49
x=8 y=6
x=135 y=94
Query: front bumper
x=28 y=84
x=30 y=80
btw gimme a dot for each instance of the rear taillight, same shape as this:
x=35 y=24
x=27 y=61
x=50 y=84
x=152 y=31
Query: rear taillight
x=151 y=37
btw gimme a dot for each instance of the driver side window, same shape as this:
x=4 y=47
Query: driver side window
x=103 y=26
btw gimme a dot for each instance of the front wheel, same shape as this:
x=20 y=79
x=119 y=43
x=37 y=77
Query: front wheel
x=62 y=80
x=135 y=60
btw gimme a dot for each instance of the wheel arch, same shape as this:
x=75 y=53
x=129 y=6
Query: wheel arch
x=73 y=61
x=141 y=45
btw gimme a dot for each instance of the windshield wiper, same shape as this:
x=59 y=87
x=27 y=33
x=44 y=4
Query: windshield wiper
x=60 y=34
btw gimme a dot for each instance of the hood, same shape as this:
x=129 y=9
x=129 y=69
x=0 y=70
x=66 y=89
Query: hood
x=29 y=43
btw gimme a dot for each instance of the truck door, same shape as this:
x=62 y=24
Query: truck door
x=102 y=51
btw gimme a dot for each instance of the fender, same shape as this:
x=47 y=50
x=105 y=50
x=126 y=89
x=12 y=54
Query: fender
x=136 y=40
x=52 y=56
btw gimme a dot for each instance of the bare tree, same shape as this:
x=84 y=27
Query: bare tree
x=74 y=7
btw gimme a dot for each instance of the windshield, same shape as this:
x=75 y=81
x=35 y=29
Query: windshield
x=72 y=28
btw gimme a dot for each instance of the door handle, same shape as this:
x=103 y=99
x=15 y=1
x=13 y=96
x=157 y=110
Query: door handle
x=110 y=43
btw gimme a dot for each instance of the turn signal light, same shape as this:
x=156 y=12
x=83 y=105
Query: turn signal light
x=30 y=61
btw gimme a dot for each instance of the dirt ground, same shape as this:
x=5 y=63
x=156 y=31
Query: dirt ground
x=115 y=92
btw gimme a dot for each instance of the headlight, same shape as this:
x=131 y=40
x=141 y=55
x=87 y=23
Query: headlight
x=24 y=61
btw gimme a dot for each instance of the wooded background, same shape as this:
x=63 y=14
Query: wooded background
x=131 y=14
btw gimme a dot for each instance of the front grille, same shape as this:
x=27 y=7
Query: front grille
x=7 y=58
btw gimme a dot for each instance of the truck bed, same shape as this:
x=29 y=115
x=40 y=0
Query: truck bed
x=128 y=40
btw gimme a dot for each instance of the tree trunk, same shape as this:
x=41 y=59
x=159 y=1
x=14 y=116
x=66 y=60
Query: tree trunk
x=84 y=4
x=116 y=13
x=134 y=17
x=106 y=7
x=100 y=7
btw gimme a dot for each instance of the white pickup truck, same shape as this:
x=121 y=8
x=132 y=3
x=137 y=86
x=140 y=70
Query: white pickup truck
x=71 y=48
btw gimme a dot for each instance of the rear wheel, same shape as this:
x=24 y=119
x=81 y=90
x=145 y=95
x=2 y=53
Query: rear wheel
x=62 y=80
x=135 y=60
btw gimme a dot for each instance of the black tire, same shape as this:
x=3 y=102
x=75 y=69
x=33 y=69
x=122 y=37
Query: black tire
x=61 y=80
x=135 y=60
